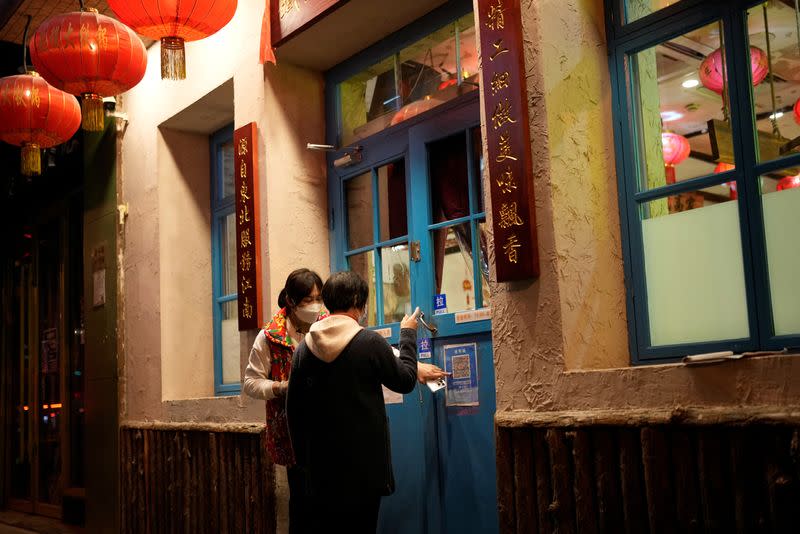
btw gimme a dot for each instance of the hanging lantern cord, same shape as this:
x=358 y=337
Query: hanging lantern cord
x=797 y=21
x=774 y=117
x=25 y=44
x=81 y=3
x=725 y=113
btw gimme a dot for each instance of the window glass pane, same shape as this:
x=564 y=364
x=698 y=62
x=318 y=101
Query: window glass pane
x=396 y=283
x=447 y=160
x=410 y=82
x=231 y=373
x=693 y=268
x=358 y=202
x=781 y=201
x=453 y=263
x=226 y=159
x=484 y=265
x=774 y=96
x=392 y=198
x=228 y=235
x=477 y=167
x=364 y=265
x=636 y=9
x=681 y=125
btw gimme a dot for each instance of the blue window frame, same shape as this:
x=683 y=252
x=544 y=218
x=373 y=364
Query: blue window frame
x=360 y=239
x=694 y=203
x=227 y=380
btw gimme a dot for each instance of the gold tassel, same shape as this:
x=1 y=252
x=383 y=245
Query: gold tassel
x=92 y=112
x=31 y=160
x=173 y=58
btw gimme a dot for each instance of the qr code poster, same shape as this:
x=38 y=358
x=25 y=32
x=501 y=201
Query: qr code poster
x=461 y=361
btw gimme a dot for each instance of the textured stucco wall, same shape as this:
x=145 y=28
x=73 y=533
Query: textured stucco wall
x=184 y=192
x=558 y=339
x=287 y=104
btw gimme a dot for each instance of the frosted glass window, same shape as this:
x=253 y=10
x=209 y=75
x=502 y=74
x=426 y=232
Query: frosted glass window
x=781 y=223
x=694 y=275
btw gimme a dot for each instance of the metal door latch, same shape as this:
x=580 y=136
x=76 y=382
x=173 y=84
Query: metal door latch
x=414 y=251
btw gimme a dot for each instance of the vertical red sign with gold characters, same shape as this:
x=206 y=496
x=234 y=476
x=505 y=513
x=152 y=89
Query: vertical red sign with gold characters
x=248 y=264
x=508 y=140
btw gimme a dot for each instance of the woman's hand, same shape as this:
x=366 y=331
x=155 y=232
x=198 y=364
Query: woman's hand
x=427 y=372
x=279 y=389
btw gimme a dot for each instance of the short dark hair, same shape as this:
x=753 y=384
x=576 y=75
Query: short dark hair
x=344 y=291
x=299 y=285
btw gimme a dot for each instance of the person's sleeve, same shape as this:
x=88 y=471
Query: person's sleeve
x=294 y=408
x=399 y=373
x=257 y=383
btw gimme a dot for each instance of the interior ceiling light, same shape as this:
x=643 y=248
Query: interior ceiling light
x=690 y=84
x=776 y=115
x=668 y=116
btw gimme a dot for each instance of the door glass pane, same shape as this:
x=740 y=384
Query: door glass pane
x=636 y=9
x=681 y=127
x=775 y=119
x=228 y=231
x=694 y=268
x=447 y=160
x=226 y=159
x=411 y=81
x=392 y=200
x=484 y=265
x=358 y=203
x=781 y=202
x=453 y=267
x=20 y=390
x=364 y=265
x=477 y=168
x=396 y=283
x=230 y=343
x=50 y=357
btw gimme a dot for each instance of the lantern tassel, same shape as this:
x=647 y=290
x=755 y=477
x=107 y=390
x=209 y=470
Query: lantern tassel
x=31 y=160
x=173 y=58
x=92 y=112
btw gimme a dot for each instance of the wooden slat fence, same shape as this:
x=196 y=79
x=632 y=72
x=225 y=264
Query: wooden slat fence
x=649 y=479
x=191 y=479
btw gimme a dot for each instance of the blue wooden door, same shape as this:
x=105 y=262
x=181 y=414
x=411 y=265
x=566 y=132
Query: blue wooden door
x=443 y=455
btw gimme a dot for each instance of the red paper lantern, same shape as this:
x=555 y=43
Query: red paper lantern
x=675 y=149
x=174 y=22
x=35 y=115
x=712 y=72
x=788 y=182
x=725 y=167
x=89 y=55
x=797 y=111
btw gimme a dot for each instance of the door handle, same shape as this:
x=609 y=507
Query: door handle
x=431 y=327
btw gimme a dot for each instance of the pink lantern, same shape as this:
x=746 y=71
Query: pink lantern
x=712 y=72
x=675 y=149
x=788 y=182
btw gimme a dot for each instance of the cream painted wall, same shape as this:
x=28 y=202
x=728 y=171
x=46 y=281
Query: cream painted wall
x=287 y=105
x=184 y=197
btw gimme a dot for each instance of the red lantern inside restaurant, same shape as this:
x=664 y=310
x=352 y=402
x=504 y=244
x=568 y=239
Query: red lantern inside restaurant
x=725 y=167
x=712 y=69
x=35 y=115
x=88 y=55
x=675 y=149
x=174 y=23
x=788 y=182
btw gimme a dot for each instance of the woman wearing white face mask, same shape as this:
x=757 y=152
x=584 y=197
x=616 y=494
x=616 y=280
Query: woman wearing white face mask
x=267 y=374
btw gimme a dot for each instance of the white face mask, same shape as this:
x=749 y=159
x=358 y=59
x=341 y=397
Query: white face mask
x=309 y=312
